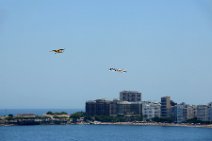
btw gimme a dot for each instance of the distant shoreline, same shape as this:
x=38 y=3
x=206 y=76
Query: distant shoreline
x=126 y=123
x=37 y=111
x=157 y=124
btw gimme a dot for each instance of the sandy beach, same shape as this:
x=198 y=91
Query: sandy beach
x=154 y=124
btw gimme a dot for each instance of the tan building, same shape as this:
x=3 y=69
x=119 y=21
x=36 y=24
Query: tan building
x=189 y=112
x=165 y=107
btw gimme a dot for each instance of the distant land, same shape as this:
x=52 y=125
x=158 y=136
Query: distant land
x=37 y=111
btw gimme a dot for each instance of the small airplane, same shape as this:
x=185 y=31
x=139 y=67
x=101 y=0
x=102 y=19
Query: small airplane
x=58 y=50
x=118 y=70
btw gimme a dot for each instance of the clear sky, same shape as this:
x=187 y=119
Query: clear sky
x=166 y=46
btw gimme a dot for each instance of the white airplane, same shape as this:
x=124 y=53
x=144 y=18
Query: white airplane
x=58 y=50
x=118 y=70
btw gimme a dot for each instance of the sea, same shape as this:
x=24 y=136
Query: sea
x=103 y=133
x=97 y=132
x=36 y=111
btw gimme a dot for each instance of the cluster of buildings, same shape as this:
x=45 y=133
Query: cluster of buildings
x=130 y=104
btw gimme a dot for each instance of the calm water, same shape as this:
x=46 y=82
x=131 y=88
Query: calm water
x=103 y=133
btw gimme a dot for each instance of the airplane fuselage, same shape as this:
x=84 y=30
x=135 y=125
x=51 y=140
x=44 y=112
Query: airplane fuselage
x=117 y=70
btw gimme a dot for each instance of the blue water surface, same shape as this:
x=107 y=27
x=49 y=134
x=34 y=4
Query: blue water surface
x=103 y=133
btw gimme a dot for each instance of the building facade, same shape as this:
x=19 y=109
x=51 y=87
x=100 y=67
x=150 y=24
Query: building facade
x=202 y=112
x=98 y=107
x=151 y=110
x=165 y=107
x=131 y=96
x=178 y=113
x=113 y=108
x=103 y=107
x=90 y=107
x=189 y=112
x=210 y=111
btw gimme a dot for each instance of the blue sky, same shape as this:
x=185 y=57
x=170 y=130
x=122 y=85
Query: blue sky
x=165 y=46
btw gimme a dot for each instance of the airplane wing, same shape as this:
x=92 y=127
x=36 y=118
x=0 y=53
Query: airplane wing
x=52 y=50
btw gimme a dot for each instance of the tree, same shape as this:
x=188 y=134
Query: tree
x=10 y=117
x=77 y=115
x=50 y=113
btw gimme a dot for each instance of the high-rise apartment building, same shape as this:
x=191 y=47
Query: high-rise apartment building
x=165 y=107
x=131 y=96
x=202 y=112
x=129 y=108
x=189 y=112
x=98 y=107
x=210 y=111
x=90 y=107
x=151 y=110
x=113 y=108
x=178 y=113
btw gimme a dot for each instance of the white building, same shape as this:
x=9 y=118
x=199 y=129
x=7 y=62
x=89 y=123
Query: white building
x=179 y=113
x=151 y=110
x=189 y=112
x=202 y=112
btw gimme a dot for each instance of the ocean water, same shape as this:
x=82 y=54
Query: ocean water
x=35 y=111
x=103 y=133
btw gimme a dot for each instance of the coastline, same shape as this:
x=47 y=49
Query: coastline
x=127 y=123
x=157 y=124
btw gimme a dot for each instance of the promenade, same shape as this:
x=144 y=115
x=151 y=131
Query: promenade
x=153 y=124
